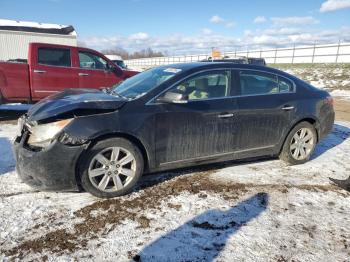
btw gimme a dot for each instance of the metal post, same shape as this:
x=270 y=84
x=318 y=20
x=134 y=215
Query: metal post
x=313 y=53
x=260 y=53
x=275 y=55
x=336 y=58
x=293 y=54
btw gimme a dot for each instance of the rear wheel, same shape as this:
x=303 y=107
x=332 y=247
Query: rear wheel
x=111 y=168
x=300 y=144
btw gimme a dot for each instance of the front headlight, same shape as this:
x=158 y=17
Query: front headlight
x=42 y=135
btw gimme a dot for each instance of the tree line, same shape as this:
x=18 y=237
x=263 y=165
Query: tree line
x=144 y=53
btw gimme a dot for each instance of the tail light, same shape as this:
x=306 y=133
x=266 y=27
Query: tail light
x=329 y=101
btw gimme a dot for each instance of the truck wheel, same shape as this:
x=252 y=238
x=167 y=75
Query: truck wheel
x=300 y=144
x=1 y=99
x=111 y=168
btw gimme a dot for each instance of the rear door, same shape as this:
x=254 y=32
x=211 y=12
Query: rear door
x=266 y=107
x=202 y=128
x=95 y=71
x=52 y=71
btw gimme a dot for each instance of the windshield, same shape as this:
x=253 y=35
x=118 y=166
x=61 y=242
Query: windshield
x=142 y=83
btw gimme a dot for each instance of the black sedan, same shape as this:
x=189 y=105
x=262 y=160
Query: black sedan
x=169 y=117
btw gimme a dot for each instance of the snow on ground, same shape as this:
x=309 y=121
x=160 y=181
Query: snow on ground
x=327 y=76
x=342 y=94
x=237 y=211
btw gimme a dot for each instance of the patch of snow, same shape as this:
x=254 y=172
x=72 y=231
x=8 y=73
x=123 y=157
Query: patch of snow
x=7 y=22
x=296 y=223
x=343 y=94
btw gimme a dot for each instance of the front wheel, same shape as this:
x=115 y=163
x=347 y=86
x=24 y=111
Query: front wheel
x=111 y=168
x=300 y=144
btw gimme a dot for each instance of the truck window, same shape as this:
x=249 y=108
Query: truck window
x=92 y=61
x=54 y=56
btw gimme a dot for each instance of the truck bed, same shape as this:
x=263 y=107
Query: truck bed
x=14 y=81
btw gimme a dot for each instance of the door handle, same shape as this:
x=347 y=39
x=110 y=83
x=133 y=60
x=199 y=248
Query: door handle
x=225 y=115
x=39 y=71
x=287 y=108
x=83 y=74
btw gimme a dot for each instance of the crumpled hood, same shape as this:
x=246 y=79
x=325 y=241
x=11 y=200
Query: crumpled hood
x=74 y=99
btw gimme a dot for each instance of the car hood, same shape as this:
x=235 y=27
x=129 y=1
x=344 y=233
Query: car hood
x=74 y=100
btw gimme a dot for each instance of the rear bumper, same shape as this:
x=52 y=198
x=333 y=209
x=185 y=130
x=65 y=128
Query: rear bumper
x=326 y=125
x=53 y=168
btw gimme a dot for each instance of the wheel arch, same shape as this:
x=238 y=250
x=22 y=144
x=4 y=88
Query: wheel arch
x=136 y=141
x=312 y=120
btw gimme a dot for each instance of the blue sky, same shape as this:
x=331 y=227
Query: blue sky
x=188 y=26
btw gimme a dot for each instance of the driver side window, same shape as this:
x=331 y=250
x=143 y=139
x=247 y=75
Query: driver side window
x=206 y=85
x=92 y=61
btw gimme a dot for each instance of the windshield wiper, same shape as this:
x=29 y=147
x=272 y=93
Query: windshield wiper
x=113 y=92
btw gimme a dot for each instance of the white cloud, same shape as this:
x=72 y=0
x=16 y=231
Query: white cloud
x=294 y=20
x=206 y=31
x=216 y=19
x=138 y=36
x=230 y=24
x=332 y=5
x=202 y=42
x=259 y=19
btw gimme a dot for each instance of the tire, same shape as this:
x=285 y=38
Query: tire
x=295 y=145
x=107 y=160
x=1 y=99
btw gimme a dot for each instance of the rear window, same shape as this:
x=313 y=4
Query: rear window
x=54 y=57
x=257 y=83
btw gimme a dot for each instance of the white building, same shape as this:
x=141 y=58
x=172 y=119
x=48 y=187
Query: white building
x=15 y=37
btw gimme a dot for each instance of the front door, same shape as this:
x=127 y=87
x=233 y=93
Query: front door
x=203 y=127
x=95 y=71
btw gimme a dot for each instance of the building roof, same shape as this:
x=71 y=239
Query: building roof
x=24 y=26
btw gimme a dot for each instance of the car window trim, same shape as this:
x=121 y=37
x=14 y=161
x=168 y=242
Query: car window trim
x=152 y=101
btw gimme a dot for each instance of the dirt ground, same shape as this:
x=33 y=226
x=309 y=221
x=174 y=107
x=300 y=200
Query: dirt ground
x=342 y=110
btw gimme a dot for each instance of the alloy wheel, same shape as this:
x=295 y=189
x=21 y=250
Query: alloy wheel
x=302 y=144
x=112 y=169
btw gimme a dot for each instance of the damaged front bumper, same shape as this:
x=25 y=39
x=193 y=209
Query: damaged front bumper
x=52 y=168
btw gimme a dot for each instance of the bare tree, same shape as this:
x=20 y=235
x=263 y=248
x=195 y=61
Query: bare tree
x=144 y=53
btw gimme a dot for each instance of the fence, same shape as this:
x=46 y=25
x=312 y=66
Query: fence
x=332 y=53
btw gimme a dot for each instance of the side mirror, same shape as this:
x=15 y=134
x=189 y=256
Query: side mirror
x=115 y=69
x=173 y=98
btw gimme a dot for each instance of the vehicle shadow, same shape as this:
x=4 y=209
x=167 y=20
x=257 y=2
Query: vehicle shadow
x=205 y=236
x=338 y=135
x=7 y=160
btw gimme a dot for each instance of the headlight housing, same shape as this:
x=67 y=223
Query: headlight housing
x=42 y=135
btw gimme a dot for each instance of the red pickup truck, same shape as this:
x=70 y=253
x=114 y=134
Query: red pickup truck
x=53 y=68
